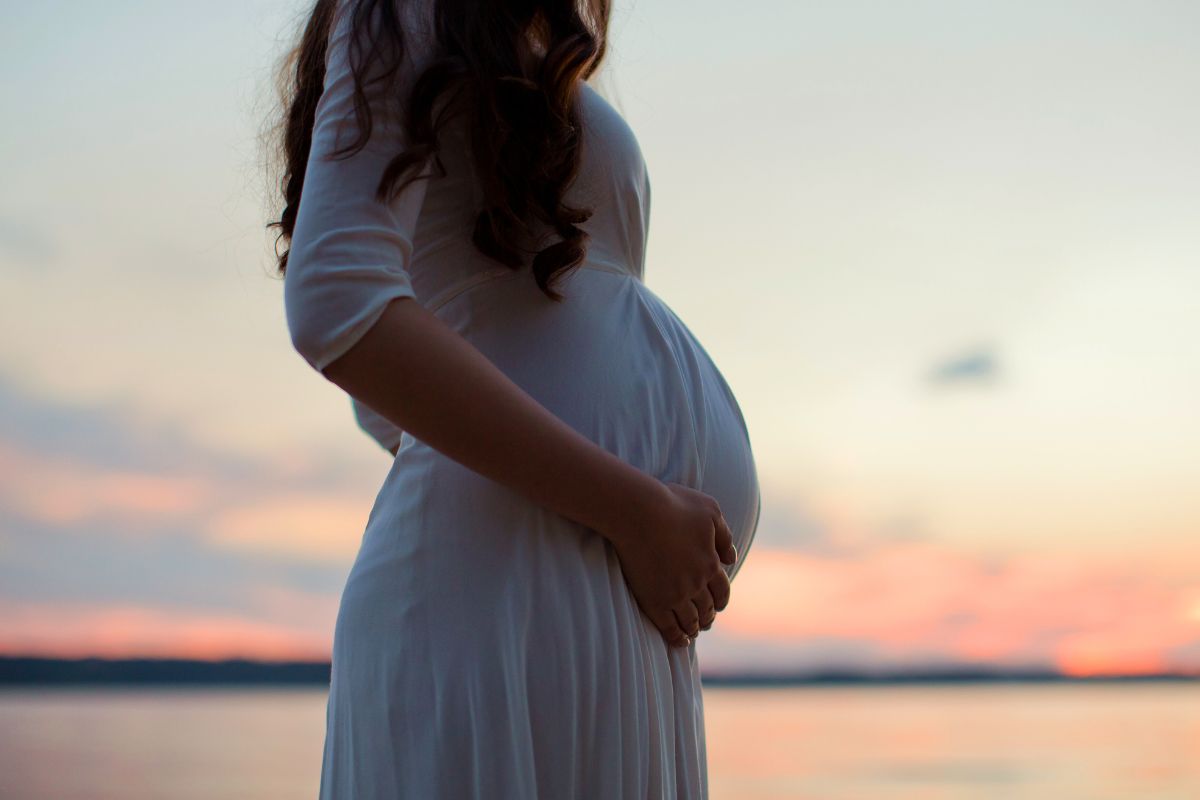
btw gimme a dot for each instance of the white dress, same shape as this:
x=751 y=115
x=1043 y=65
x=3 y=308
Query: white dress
x=486 y=647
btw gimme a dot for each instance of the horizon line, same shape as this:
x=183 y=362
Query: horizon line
x=31 y=669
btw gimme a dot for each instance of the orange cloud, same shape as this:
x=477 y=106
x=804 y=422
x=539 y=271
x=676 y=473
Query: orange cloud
x=323 y=528
x=1082 y=617
x=134 y=631
x=57 y=491
x=61 y=491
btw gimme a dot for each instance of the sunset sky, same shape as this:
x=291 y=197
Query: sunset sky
x=946 y=253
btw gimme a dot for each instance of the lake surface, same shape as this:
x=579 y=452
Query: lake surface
x=1092 y=741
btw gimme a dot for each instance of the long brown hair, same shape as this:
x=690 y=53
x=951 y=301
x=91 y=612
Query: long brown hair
x=525 y=129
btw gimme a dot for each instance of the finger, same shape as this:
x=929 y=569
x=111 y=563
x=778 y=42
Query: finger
x=689 y=618
x=718 y=585
x=706 y=608
x=724 y=540
x=669 y=627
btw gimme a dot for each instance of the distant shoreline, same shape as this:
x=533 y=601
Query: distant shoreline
x=40 y=671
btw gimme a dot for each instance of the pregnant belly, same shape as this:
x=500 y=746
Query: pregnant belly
x=615 y=362
x=727 y=469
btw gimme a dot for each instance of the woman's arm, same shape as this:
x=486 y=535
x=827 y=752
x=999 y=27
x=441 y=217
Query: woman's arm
x=385 y=434
x=414 y=370
x=352 y=314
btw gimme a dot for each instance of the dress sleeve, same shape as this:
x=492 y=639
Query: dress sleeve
x=379 y=427
x=349 y=253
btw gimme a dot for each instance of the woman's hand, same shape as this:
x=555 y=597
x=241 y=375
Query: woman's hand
x=672 y=559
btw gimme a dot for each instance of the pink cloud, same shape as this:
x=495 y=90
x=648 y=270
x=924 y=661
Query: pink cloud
x=909 y=598
x=318 y=527
x=133 y=631
x=269 y=519
x=58 y=490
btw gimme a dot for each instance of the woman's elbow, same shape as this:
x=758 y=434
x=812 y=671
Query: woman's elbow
x=324 y=332
x=309 y=338
x=318 y=322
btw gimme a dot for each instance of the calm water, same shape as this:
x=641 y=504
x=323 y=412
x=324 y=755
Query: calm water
x=1075 y=741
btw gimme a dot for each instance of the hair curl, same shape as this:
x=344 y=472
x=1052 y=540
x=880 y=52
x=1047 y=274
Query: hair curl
x=524 y=129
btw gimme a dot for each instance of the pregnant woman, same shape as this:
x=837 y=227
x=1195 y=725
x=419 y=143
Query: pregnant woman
x=573 y=487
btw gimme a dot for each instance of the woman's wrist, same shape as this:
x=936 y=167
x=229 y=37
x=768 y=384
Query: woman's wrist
x=629 y=500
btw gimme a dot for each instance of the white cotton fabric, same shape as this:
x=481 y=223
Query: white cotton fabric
x=486 y=647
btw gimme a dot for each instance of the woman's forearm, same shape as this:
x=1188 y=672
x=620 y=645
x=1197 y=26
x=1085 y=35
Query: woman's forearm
x=416 y=371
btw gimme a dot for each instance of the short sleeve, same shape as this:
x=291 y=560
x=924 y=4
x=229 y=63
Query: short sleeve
x=350 y=254
x=375 y=424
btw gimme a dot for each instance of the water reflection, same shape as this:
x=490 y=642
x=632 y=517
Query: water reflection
x=1010 y=741
x=1014 y=741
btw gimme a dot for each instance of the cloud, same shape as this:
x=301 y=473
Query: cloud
x=299 y=523
x=794 y=520
x=106 y=563
x=62 y=491
x=789 y=523
x=1185 y=654
x=116 y=437
x=107 y=435
x=977 y=365
x=114 y=516
x=25 y=244
x=71 y=631
x=70 y=466
x=906 y=603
